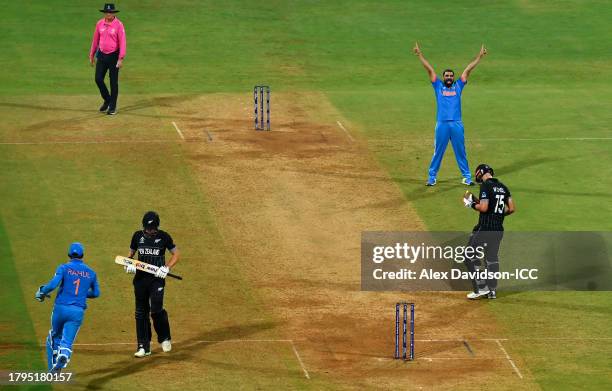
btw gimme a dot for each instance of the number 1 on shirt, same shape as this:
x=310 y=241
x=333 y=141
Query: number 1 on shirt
x=76 y=282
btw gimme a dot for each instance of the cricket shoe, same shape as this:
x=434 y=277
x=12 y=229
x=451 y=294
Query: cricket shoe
x=467 y=182
x=141 y=352
x=111 y=112
x=166 y=346
x=431 y=182
x=104 y=107
x=492 y=295
x=478 y=295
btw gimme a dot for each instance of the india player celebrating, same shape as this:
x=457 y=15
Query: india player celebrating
x=77 y=282
x=449 y=125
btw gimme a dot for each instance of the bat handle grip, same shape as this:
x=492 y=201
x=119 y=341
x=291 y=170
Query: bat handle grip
x=175 y=276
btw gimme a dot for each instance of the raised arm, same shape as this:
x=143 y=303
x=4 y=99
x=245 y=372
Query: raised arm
x=428 y=67
x=472 y=65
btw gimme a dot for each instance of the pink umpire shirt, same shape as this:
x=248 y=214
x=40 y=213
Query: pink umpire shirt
x=108 y=37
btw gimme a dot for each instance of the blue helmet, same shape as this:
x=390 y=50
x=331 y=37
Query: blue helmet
x=76 y=250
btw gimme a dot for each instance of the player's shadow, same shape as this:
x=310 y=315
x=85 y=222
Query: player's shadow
x=557 y=192
x=188 y=349
x=42 y=107
x=521 y=165
x=423 y=192
x=156 y=101
x=556 y=305
x=91 y=113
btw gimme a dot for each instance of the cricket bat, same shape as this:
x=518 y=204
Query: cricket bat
x=142 y=266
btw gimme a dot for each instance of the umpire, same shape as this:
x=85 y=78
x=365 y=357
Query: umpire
x=494 y=204
x=151 y=243
x=108 y=47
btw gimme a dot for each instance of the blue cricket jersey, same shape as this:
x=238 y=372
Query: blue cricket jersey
x=448 y=100
x=77 y=282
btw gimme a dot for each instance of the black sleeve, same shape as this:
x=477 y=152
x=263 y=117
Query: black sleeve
x=134 y=243
x=508 y=192
x=484 y=192
x=169 y=242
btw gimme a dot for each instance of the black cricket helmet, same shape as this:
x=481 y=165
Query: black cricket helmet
x=481 y=170
x=150 y=220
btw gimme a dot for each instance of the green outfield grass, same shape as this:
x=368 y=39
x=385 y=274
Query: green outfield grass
x=545 y=77
x=20 y=348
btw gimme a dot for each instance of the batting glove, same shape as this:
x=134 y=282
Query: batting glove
x=40 y=295
x=130 y=269
x=468 y=200
x=162 y=272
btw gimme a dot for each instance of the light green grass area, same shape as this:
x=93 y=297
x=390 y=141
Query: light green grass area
x=546 y=76
x=552 y=182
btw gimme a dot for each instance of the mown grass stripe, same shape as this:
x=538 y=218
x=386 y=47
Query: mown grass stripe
x=19 y=348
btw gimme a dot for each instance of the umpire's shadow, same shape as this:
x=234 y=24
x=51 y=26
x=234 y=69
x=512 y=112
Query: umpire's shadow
x=188 y=349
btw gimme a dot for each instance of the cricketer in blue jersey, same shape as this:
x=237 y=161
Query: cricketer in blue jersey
x=449 y=125
x=76 y=282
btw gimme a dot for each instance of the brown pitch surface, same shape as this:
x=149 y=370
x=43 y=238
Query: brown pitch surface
x=292 y=204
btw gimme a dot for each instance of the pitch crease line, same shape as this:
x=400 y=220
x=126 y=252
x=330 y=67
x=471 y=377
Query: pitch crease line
x=345 y=131
x=509 y=359
x=178 y=130
x=86 y=142
x=518 y=339
x=198 y=341
x=463 y=358
x=297 y=355
x=496 y=340
x=428 y=141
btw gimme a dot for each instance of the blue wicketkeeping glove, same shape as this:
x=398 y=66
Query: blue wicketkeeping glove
x=40 y=295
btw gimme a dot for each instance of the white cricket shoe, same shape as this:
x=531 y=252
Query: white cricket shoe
x=166 y=346
x=141 y=352
x=481 y=293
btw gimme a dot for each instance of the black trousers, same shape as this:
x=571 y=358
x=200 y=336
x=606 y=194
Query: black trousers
x=490 y=240
x=149 y=294
x=108 y=63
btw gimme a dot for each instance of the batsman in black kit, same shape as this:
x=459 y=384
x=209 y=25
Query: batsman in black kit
x=150 y=244
x=494 y=204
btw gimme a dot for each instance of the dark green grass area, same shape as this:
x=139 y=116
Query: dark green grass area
x=20 y=350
